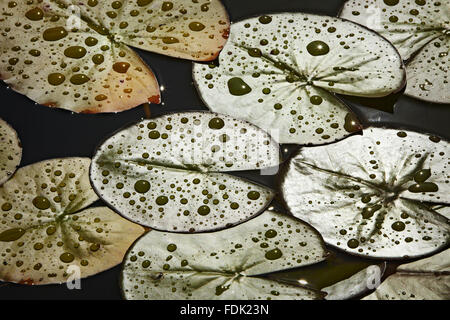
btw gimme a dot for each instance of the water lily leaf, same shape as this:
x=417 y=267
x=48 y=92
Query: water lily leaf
x=74 y=55
x=419 y=30
x=228 y=264
x=280 y=72
x=167 y=173
x=364 y=194
x=357 y=284
x=194 y=30
x=10 y=151
x=45 y=234
x=426 y=279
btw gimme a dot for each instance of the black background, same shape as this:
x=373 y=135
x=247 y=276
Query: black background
x=48 y=133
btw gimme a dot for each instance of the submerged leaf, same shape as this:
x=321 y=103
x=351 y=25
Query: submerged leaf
x=230 y=264
x=426 y=279
x=73 y=54
x=44 y=236
x=10 y=151
x=280 y=72
x=166 y=173
x=364 y=194
x=420 y=31
x=356 y=285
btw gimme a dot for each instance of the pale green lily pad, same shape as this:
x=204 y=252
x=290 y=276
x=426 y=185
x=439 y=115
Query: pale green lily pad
x=364 y=194
x=10 y=151
x=426 y=279
x=74 y=55
x=168 y=173
x=420 y=30
x=281 y=71
x=45 y=228
x=226 y=265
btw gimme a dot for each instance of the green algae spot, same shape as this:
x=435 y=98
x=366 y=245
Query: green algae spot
x=41 y=203
x=55 y=34
x=162 y=200
x=398 y=226
x=317 y=48
x=196 y=26
x=216 y=123
x=351 y=123
x=171 y=247
x=35 y=14
x=238 y=87
x=273 y=254
x=75 y=52
x=66 y=257
x=353 y=243
x=142 y=186
x=12 y=234
x=253 y=195
x=265 y=19
x=55 y=79
x=203 y=210
x=316 y=100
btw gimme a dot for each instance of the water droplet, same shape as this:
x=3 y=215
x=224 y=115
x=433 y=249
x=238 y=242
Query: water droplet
x=12 y=234
x=317 y=48
x=142 y=186
x=238 y=87
x=274 y=254
x=41 y=203
x=66 y=257
x=196 y=26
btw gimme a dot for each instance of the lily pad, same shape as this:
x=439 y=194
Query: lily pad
x=226 y=265
x=281 y=71
x=167 y=173
x=46 y=228
x=420 y=31
x=370 y=194
x=10 y=151
x=356 y=285
x=74 y=55
x=426 y=279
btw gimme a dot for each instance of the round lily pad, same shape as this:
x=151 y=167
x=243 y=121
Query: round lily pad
x=169 y=173
x=373 y=194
